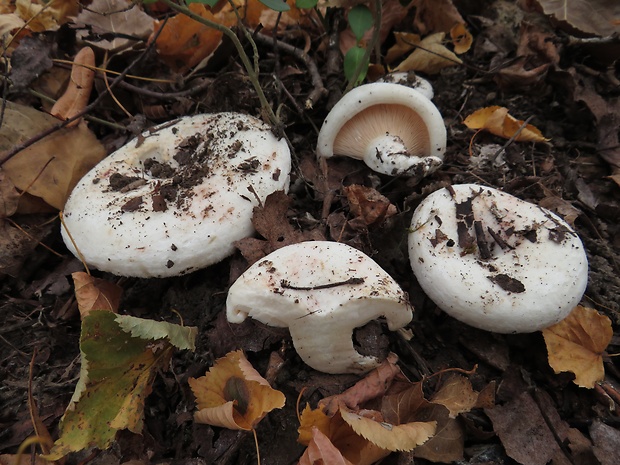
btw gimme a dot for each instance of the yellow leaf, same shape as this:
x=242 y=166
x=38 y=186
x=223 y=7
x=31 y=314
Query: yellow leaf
x=496 y=120
x=402 y=437
x=576 y=344
x=457 y=395
x=430 y=56
x=461 y=38
x=233 y=395
x=309 y=420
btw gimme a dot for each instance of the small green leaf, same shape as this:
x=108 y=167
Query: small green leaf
x=210 y=3
x=352 y=60
x=306 y=4
x=182 y=337
x=276 y=5
x=360 y=20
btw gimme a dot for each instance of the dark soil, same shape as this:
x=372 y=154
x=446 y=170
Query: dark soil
x=39 y=318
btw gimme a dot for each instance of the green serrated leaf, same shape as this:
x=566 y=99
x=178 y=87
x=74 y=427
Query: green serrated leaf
x=182 y=337
x=305 y=4
x=276 y=5
x=353 y=58
x=116 y=376
x=360 y=20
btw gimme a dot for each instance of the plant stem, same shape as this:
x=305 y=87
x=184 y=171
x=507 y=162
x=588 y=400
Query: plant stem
x=251 y=70
x=369 y=47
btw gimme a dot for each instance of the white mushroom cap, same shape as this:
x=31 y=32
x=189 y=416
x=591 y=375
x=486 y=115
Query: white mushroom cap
x=393 y=128
x=494 y=261
x=321 y=291
x=176 y=199
x=410 y=79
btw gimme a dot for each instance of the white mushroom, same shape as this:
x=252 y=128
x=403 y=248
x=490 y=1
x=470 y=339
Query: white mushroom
x=410 y=79
x=393 y=128
x=494 y=261
x=321 y=291
x=176 y=198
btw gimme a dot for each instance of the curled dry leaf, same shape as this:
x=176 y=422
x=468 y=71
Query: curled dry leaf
x=577 y=343
x=76 y=97
x=403 y=437
x=405 y=42
x=375 y=384
x=461 y=38
x=368 y=204
x=430 y=56
x=95 y=293
x=233 y=394
x=496 y=120
x=321 y=450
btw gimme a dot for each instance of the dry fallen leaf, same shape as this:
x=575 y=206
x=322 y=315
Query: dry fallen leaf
x=457 y=394
x=430 y=56
x=577 y=343
x=368 y=204
x=119 y=18
x=184 y=42
x=436 y=16
x=76 y=97
x=95 y=293
x=392 y=437
x=405 y=42
x=321 y=451
x=590 y=16
x=233 y=395
x=461 y=38
x=50 y=168
x=496 y=120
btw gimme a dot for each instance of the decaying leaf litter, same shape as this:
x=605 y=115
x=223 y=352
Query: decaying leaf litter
x=532 y=73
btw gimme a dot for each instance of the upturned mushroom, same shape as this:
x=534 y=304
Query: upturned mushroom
x=321 y=291
x=176 y=198
x=394 y=129
x=494 y=261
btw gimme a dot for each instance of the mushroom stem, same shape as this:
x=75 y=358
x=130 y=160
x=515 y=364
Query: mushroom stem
x=388 y=154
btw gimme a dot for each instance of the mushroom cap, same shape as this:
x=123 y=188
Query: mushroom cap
x=494 y=261
x=410 y=79
x=321 y=291
x=393 y=128
x=175 y=199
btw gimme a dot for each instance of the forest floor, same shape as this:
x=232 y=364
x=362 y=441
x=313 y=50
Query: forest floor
x=567 y=87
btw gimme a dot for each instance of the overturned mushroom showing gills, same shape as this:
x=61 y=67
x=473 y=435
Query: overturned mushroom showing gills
x=176 y=198
x=396 y=130
x=321 y=291
x=494 y=261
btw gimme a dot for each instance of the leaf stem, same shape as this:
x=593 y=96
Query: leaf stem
x=369 y=48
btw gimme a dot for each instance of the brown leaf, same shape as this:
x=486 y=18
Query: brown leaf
x=430 y=56
x=368 y=204
x=606 y=442
x=233 y=395
x=76 y=97
x=523 y=431
x=321 y=451
x=590 y=16
x=405 y=42
x=496 y=120
x=50 y=168
x=461 y=38
x=9 y=197
x=577 y=343
x=118 y=18
x=95 y=293
x=436 y=16
x=373 y=385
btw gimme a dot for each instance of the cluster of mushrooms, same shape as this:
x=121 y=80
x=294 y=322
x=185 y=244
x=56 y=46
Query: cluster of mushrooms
x=176 y=198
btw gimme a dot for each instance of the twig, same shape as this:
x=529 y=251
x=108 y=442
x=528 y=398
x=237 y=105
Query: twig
x=512 y=139
x=318 y=89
